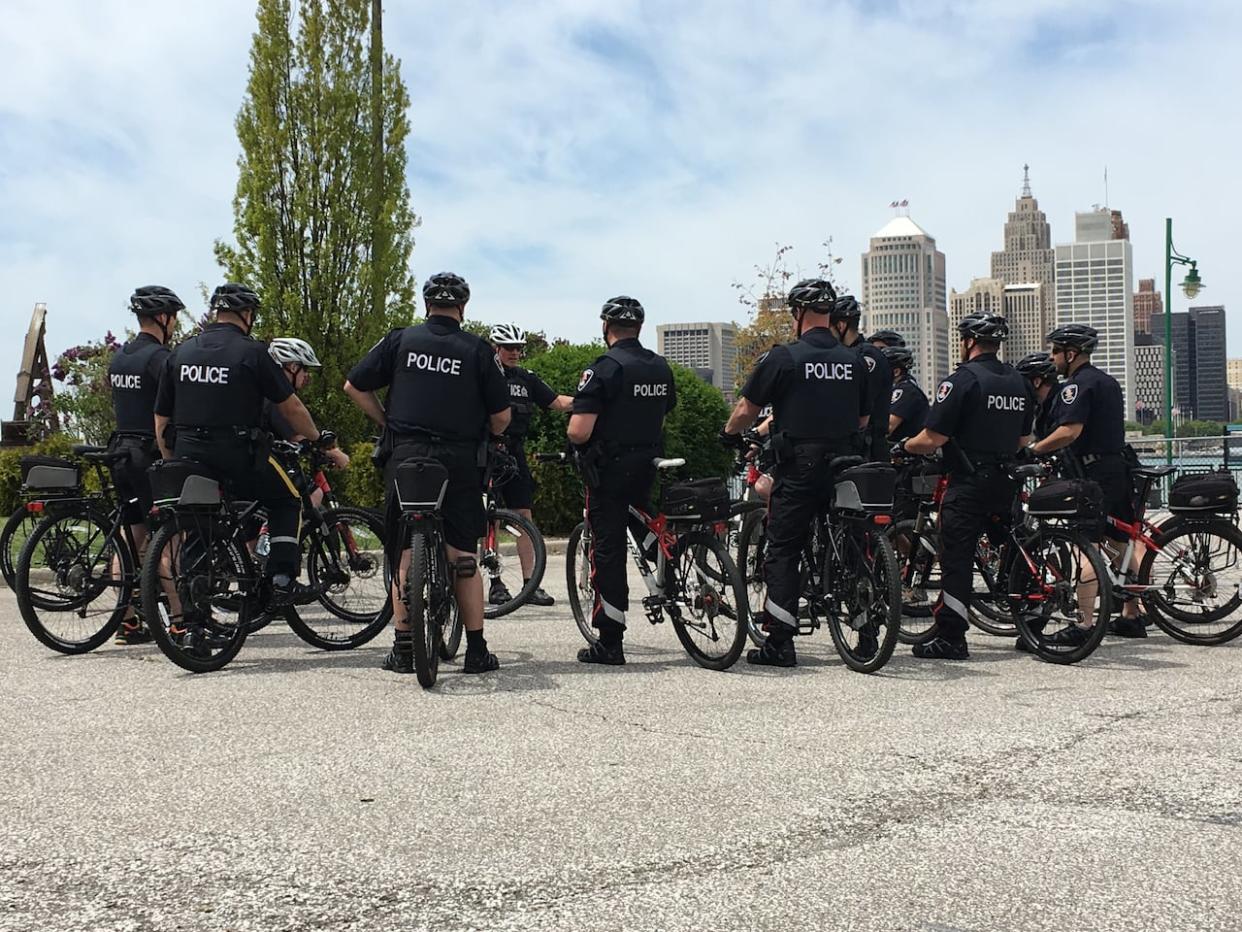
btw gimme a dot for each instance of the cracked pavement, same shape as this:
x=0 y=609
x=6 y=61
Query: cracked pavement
x=303 y=790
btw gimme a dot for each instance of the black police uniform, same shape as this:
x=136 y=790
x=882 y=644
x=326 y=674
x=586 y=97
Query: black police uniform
x=908 y=402
x=443 y=385
x=818 y=389
x=1046 y=413
x=526 y=393
x=213 y=388
x=879 y=389
x=986 y=407
x=631 y=390
x=134 y=377
x=1092 y=398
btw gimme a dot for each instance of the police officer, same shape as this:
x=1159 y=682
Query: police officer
x=1090 y=421
x=844 y=324
x=987 y=408
x=446 y=393
x=134 y=377
x=1041 y=372
x=883 y=338
x=526 y=393
x=211 y=394
x=907 y=410
x=617 y=427
x=818 y=389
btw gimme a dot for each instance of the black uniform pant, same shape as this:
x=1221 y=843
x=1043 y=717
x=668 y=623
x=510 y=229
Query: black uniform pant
x=233 y=460
x=973 y=505
x=623 y=481
x=801 y=490
x=133 y=486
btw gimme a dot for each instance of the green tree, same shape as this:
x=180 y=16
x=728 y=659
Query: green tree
x=301 y=220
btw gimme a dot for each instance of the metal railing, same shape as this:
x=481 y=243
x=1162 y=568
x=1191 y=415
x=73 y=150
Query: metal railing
x=1189 y=455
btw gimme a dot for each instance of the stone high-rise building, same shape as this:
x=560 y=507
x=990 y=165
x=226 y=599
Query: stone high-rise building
x=705 y=347
x=1021 y=305
x=903 y=289
x=1028 y=258
x=1148 y=378
x=1147 y=301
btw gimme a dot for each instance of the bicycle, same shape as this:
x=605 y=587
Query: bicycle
x=498 y=553
x=689 y=575
x=26 y=516
x=848 y=569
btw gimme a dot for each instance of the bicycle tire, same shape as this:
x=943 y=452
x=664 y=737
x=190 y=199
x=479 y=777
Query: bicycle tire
x=12 y=541
x=914 y=569
x=578 y=581
x=709 y=598
x=419 y=587
x=344 y=628
x=512 y=521
x=989 y=611
x=33 y=604
x=1161 y=602
x=751 y=553
x=875 y=594
x=230 y=637
x=1072 y=548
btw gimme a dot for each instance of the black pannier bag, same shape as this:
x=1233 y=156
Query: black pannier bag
x=50 y=474
x=1067 y=498
x=183 y=483
x=924 y=478
x=699 y=500
x=1213 y=492
x=866 y=488
x=421 y=484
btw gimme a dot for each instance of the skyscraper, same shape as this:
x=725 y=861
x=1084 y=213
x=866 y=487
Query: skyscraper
x=701 y=346
x=1148 y=378
x=1028 y=258
x=1147 y=301
x=1094 y=284
x=1200 y=379
x=903 y=289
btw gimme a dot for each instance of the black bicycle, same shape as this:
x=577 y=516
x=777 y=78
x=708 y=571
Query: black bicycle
x=26 y=516
x=509 y=585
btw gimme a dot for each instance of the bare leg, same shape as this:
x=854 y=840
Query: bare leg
x=469 y=590
x=526 y=548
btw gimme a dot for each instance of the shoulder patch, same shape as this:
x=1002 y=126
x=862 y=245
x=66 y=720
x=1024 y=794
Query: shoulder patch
x=897 y=393
x=586 y=378
x=1069 y=393
x=870 y=361
x=943 y=391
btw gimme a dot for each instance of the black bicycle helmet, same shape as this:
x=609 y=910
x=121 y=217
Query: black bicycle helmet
x=150 y=300
x=846 y=308
x=812 y=294
x=1081 y=337
x=1037 y=365
x=444 y=289
x=983 y=326
x=887 y=337
x=899 y=357
x=623 y=310
x=234 y=297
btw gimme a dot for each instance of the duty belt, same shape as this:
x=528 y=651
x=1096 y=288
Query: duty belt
x=1089 y=458
x=213 y=433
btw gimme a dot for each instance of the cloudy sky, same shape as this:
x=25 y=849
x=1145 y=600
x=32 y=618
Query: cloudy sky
x=565 y=151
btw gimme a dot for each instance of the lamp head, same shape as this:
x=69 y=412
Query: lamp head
x=1192 y=284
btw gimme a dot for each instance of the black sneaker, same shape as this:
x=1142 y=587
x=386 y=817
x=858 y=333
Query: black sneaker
x=868 y=644
x=774 y=655
x=132 y=632
x=611 y=656
x=401 y=658
x=1021 y=645
x=541 y=598
x=1070 y=636
x=941 y=648
x=499 y=593
x=1128 y=628
x=286 y=590
x=483 y=661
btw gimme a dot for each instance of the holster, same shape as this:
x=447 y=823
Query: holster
x=588 y=460
x=381 y=453
x=782 y=447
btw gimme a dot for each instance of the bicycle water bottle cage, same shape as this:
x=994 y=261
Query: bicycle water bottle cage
x=179 y=483
x=420 y=485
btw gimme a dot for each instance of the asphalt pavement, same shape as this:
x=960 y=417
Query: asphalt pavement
x=298 y=789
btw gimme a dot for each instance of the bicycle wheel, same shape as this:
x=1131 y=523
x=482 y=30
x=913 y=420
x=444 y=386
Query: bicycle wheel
x=501 y=567
x=344 y=559
x=752 y=550
x=918 y=570
x=1194 y=579
x=989 y=604
x=199 y=591
x=19 y=526
x=427 y=606
x=68 y=589
x=866 y=617
x=1059 y=594
x=578 y=581
x=711 y=608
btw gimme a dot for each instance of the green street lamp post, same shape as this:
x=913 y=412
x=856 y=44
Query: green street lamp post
x=1191 y=286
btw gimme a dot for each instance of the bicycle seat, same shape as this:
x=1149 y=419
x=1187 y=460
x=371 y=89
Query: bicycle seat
x=743 y=508
x=661 y=463
x=1027 y=471
x=103 y=456
x=1154 y=472
x=844 y=462
x=82 y=449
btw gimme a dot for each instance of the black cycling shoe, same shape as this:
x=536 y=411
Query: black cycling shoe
x=774 y=655
x=401 y=658
x=1021 y=645
x=541 y=598
x=941 y=648
x=483 y=661
x=499 y=593
x=611 y=656
x=286 y=590
x=1070 y=636
x=1128 y=628
x=132 y=632
x=868 y=644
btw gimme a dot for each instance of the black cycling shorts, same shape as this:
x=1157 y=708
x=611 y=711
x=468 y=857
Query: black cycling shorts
x=130 y=477
x=518 y=492
x=462 y=511
x=1113 y=476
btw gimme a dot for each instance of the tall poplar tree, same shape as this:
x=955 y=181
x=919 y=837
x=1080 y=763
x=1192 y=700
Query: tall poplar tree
x=302 y=217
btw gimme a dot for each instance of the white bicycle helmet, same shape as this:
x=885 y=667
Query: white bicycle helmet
x=508 y=335
x=289 y=350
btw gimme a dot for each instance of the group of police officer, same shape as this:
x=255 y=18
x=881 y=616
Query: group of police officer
x=220 y=395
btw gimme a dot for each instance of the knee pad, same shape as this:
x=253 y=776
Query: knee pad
x=465 y=567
